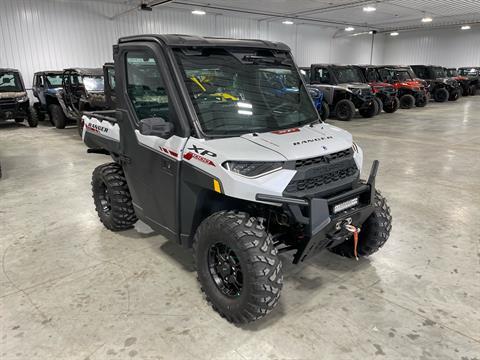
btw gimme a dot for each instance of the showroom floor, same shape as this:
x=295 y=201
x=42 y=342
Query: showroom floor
x=70 y=289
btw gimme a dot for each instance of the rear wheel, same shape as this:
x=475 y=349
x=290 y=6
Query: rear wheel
x=32 y=117
x=472 y=90
x=380 y=105
x=58 y=117
x=407 y=101
x=112 y=198
x=344 y=110
x=238 y=267
x=441 y=95
x=392 y=106
x=370 y=110
x=325 y=111
x=454 y=95
x=421 y=101
x=374 y=232
x=80 y=126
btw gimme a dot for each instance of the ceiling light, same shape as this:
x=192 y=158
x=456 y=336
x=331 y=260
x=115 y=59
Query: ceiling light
x=369 y=8
x=349 y=28
x=427 y=19
x=394 y=33
x=287 y=22
x=466 y=27
x=198 y=12
x=370 y=32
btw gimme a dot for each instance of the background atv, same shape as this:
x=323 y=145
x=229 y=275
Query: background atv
x=319 y=101
x=410 y=91
x=441 y=87
x=345 y=90
x=384 y=92
x=468 y=87
x=473 y=73
x=179 y=148
x=14 y=101
x=79 y=90
x=45 y=86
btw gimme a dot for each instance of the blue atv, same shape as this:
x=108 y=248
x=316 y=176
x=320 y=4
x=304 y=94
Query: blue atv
x=319 y=101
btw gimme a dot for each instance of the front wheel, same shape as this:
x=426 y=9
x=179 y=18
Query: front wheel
x=392 y=106
x=421 y=101
x=344 y=110
x=369 y=111
x=374 y=232
x=58 y=117
x=407 y=101
x=112 y=198
x=238 y=266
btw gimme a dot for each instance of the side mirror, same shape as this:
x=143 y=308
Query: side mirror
x=314 y=93
x=156 y=127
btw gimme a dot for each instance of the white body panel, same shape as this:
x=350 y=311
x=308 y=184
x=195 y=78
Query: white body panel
x=209 y=155
x=103 y=128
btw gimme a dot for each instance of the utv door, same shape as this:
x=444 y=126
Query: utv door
x=153 y=161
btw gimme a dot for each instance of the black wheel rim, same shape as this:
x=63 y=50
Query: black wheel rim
x=225 y=269
x=342 y=111
x=104 y=198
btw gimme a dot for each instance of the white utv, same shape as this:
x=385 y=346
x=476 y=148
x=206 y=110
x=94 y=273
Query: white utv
x=212 y=151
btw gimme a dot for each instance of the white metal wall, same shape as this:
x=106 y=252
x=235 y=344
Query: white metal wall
x=357 y=49
x=446 y=47
x=50 y=34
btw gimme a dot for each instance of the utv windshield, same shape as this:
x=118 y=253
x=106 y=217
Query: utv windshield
x=348 y=75
x=54 y=80
x=403 y=75
x=238 y=91
x=438 y=72
x=10 y=82
x=451 y=72
x=93 y=83
x=468 y=71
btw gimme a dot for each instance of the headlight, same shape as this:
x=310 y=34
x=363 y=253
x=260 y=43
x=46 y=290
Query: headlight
x=23 y=98
x=252 y=169
x=356 y=91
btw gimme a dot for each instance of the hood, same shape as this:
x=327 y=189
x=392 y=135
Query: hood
x=412 y=83
x=12 y=94
x=355 y=85
x=282 y=145
x=380 y=85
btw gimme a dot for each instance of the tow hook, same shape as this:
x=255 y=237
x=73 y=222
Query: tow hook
x=354 y=230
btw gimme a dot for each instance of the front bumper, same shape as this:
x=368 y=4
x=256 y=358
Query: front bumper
x=13 y=109
x=324 y=227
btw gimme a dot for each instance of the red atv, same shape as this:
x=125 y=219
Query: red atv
x=467 y=84
x=410 y=90
x=385 y=93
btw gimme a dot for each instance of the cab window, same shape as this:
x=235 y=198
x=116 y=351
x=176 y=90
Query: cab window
x=322 y=76
x=145 y=86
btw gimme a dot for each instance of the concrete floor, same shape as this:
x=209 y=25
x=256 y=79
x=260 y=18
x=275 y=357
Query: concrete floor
x=70 y=289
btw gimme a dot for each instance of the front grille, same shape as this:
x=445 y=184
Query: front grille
x=323 y=159
x=316 y=182
x=323 y=175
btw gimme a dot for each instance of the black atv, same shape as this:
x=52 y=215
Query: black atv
x=384 y=92
x=14 y=101
x=467 y=84
x=345 y=90
x=441 y=87
x=473 y=73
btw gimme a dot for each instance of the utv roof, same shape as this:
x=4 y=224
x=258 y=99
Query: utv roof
x=49 y=72
x=8 y=70
x=87 y=71
x=176 y=40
